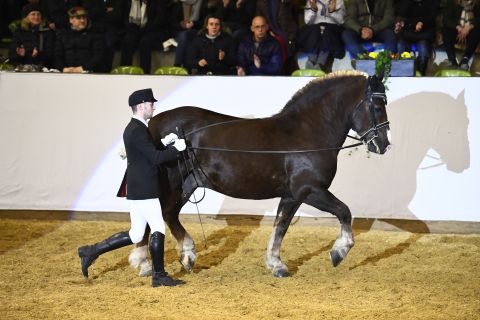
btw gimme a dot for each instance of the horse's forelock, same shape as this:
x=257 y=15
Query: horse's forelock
x=321 y=81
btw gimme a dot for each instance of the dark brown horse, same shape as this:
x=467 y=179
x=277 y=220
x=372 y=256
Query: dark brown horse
x=291 y=155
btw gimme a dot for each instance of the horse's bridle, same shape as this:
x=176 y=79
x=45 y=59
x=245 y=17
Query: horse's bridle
x=369 y=96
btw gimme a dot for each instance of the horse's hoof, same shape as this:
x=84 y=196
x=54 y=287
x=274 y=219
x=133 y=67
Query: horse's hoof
x=335 y=257
x=280 y=273
x=187 y=262
x=145 y=269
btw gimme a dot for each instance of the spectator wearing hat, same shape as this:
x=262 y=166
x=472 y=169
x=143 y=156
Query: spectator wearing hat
x=56 y=12
x=146 y=28
x=33 y=42
x=143 y=189
x=78 y=49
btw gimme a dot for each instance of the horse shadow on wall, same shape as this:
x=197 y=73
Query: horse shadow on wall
x=383 y=187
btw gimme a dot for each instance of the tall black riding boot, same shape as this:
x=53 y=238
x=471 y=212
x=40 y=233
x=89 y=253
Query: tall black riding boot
x=422 y=63
x=88 y=254
x=159 y=276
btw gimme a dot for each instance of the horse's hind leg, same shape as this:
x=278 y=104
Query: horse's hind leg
x=324 y=200
x=286 y=211
x=172 y=206
x=139 y=254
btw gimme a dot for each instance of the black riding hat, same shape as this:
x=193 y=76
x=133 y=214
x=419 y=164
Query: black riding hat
x=140 y=96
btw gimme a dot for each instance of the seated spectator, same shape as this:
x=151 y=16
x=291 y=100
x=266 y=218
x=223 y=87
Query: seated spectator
x=260 y=53
x=369 y=21
x=282 y=21
x=107 y=17
x=146 y=29
x=236 y=15
x=416 y=25
x=461 y=24
x=193 y=13
x=78 y=49
x=212 y=51
x=321 y=36
x=56 y=12
x=33 y=42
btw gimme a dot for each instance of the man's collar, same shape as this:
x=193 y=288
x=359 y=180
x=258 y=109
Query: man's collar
x=140 y=119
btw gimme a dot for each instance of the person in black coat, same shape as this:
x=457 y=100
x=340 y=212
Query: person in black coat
x=33 y=42
x=143 y=189
x=79 y=49
x=146 y=28
x=212 y=51
x=415 y=24
x=108 y=18
x=461 y=24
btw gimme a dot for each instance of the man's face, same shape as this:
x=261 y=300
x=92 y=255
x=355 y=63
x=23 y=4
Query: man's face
x=78 y=23
x=213 y=27
x=148 y=109
x=259 y=28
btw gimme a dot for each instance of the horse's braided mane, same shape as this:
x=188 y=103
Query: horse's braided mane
x=328 y=77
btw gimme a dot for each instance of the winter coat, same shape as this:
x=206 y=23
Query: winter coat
x=41 y=38
x=412 y=12
x=269 y=53
x=359 y=15
x=79 y=48
x=205 y=48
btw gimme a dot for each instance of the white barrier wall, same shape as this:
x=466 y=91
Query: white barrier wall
x=60 y=134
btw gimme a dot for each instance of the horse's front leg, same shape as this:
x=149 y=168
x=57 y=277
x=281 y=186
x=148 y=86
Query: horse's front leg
x=138 y=257
x=286 y=211
x=324 y=200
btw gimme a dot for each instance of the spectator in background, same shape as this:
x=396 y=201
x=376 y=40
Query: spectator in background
x=147 y=28
x=56 y=12
x=237 y=15
x=108 y=18
x=368 y=21
x=78 y=49
x=282 y=21
x=33 y=42
x=321 y=36
x=212 y=51
x=461 y=24
x=193 y=13
x=260 y=53
x=416 y=24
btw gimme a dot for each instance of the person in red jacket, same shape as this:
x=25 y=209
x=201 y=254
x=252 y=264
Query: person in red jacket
x=143 y=189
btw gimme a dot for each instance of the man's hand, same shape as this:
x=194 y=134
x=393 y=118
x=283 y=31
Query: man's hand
x=221 y=55
x=169 y=138
x=202 y=63
x=256 y=61
x=180 y=144
x=419 y=26
x=122 y=153
x=35 y=52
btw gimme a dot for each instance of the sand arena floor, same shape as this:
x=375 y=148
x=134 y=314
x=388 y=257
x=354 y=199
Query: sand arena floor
x=387 y=275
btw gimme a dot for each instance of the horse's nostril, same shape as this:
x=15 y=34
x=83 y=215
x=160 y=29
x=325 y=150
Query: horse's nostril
x=387 y=148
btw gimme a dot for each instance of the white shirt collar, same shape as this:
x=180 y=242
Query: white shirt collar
x=140 y=119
